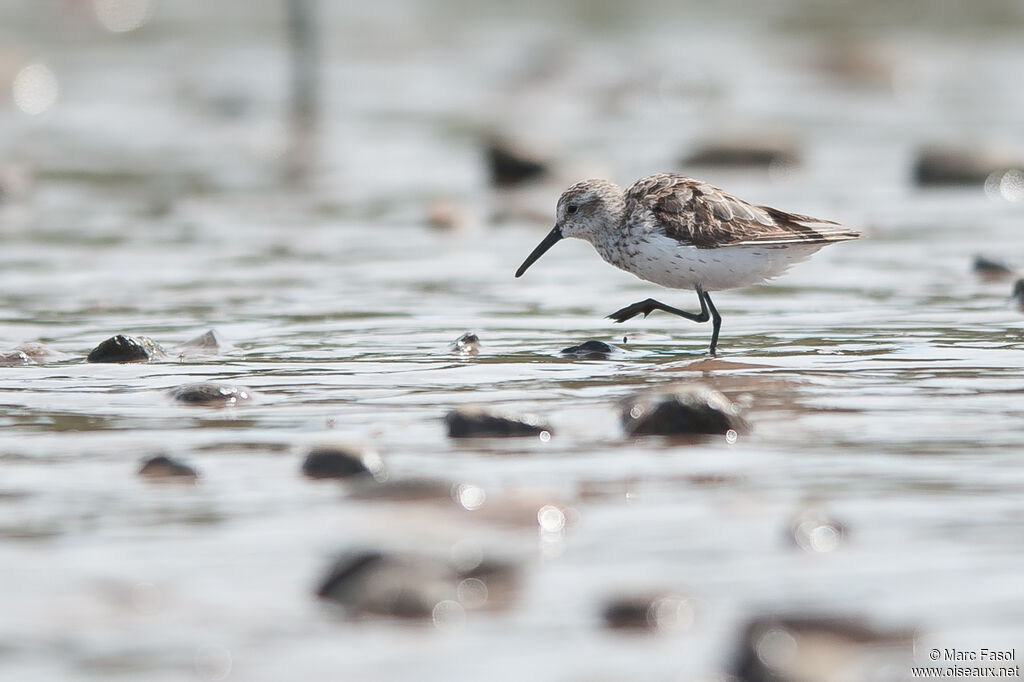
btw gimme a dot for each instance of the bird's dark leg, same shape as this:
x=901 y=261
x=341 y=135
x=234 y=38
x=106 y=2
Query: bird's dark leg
x=707 y=312
x=716 y=319
x=647 y=307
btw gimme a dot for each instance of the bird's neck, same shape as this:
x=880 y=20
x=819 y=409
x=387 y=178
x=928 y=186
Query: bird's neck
x=616 y=208
x=611 y=244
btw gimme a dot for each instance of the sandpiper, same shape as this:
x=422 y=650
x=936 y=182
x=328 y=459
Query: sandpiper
x=685 y=234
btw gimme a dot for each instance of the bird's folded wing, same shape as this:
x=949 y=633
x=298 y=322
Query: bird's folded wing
x=704 y=216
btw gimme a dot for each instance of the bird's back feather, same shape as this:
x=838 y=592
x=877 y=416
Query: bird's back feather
x=704 y=216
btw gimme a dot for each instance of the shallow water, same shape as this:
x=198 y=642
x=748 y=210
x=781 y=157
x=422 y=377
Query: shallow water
x=881 y=377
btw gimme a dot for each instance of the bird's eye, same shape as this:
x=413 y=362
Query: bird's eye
x=571 y=208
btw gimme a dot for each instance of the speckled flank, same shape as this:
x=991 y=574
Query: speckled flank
x=663 y=260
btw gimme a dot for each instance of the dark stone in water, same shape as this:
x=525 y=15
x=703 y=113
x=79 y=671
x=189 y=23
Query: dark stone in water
x=410 y=585
x=590 y=350
x=14 y=358
x=211 y=394
x=751 y=153
x=647 y=612
x=389 y=584
x=627 y=612
x=991 y=269
x=1018 y=293
x=122 y=349
x=467 y=344
x=162 y=467
x=509 y=166
x=336 y=461
x=800 y=648
x=959 y=166
x=694 y=409
x=475 y=423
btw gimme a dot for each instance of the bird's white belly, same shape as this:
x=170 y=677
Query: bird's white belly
x=663 y=260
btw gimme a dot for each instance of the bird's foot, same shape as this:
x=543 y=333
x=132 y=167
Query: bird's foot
x=644 y=308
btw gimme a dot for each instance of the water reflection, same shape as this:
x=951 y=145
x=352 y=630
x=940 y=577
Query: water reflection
x=121 y=16
x=1008 y=185
x=470 y=496
x=213 y=663
x=35 y=89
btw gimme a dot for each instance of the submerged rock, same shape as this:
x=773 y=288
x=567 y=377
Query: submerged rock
x=341 y=461
x=38 y=352
x=693 y=409
x=485 y=582
x=752 y=153
x=14 y=358
x=990 y=268
x=1018 y=293
x=206 y=342
x=404 y=490
x=648 y=612
x=372 y=582
x=123 y=349
x=446 y=213
x=508 y=165
x=943 y=165
x=468 y=422
x=802 y=648
x=590 y=350
x=416 y=586
x=162 y=467
x=211 y=394
x=467 y=344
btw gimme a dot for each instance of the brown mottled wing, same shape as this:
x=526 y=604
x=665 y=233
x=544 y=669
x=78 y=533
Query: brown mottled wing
x=706 y=217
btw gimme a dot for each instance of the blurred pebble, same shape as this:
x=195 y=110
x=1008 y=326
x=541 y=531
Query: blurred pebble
x=959 y=166
x=802 y=648
x=991 y=269
x=1018 y=293
x=509 y=165
x=162 y=467
x=405 y=490
x=123 y=348
x=813 y=531
x=692 y=409
x=403 y=586
x=39 y=352
x=648 y=612
x=410 y=585
x=211 y=394
x=14 y=358
x=590 y=350
x=444 y=213
x=340 y=461
x=468 y=422
x=207 y=341
x=492 y=584
x=756 y=152
x=858 y=62
x=467 y=344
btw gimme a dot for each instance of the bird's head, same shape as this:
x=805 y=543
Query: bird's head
x=587 y=210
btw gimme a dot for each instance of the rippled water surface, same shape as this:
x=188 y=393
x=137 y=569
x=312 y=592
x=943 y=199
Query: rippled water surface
x=882 y=378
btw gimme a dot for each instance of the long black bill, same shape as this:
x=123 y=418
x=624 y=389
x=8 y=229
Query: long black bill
x=554 y=236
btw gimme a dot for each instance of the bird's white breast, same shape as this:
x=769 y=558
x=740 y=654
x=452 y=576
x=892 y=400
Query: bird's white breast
x=665 y=261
